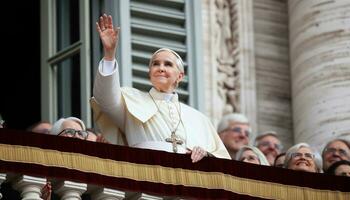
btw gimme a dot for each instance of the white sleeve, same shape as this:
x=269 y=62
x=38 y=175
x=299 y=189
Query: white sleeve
x=107 y=92
x=108 y=67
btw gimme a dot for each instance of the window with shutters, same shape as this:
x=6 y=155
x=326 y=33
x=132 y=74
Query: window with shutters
x=65 y=64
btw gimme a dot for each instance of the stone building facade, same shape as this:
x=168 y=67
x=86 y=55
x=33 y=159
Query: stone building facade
x=283 y=63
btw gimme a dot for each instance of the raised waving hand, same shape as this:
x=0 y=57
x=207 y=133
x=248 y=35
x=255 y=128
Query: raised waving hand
x=108 y=35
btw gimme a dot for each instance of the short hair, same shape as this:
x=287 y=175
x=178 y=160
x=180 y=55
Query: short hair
x=295 y=148
x=347 y=143
x=179 y=61
x=264 y=134
x=331 y=170
x=57 y=126
x=232 y=117
x=258 y=153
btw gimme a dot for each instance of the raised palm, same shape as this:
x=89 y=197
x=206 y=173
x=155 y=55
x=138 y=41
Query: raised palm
x=108 y=35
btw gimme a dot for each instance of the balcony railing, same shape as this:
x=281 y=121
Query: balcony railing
x=88 y=170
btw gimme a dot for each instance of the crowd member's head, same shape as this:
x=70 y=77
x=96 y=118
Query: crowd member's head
x=251 y=154
x=279 y=160
x=269 y=144
x=334 y=151
x=70 y=127
x=301 y=157
x=340 y=168
x=234 y=131
x=40 y=127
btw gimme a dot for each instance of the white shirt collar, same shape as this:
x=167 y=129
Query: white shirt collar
x=163 y=96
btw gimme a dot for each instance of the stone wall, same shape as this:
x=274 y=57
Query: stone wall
x=273 y=88
x=283 y=63
x=246 y=62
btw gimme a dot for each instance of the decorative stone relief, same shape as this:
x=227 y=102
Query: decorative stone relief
x=226 y=43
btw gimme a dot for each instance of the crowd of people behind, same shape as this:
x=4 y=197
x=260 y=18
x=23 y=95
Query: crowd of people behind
x=267 y=149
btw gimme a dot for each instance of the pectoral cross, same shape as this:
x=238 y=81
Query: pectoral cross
x=174 y=141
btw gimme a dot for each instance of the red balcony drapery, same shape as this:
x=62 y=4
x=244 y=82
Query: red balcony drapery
x=158 y=173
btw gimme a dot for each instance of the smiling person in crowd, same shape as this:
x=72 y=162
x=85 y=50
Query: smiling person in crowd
x=234 y=131
x=301 y=157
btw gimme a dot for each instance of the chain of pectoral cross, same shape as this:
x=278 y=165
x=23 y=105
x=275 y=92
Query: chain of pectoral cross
x=174 y=140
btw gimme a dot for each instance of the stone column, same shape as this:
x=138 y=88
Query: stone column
x=30 y=187
x=246 y=62
x=320 y=69
x=69 y=190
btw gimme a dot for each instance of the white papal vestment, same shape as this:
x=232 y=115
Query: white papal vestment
x=144 y=118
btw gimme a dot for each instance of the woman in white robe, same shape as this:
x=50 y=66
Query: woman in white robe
x=157 y=119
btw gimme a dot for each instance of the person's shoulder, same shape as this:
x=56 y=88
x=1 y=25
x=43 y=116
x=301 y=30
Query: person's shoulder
x=132 y=91
x=194 y=111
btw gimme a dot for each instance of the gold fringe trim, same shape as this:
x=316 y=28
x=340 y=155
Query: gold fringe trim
x=160 y=174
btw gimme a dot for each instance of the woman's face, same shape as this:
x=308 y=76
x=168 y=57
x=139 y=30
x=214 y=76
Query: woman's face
x=250 y=157
x=164 y=72
x=303 y=160
x=71 y=124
